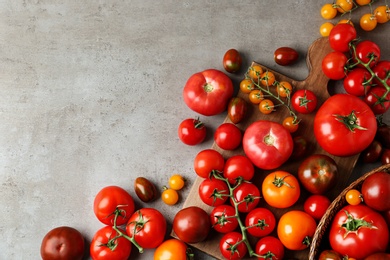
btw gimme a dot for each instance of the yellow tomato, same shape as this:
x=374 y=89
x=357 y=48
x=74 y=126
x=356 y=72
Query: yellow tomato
x=326 y=28
x=368 y=22
x=328 y=11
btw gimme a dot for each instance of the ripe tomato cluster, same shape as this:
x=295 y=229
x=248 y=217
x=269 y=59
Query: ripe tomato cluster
x=368 y=21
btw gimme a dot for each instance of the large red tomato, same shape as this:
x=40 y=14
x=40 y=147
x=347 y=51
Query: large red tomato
x=208 y=92
x=358 y=231
x=344 y=125
x=267 y=144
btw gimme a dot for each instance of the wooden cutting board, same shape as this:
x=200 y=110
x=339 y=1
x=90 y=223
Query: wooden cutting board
x=316 y=82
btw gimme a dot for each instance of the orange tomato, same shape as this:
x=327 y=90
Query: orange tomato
x=291 y=124
x=382 y=13
x=169 y=196
x=171 y=249
x=280 y=189
x=176 y=182
x=353 y=197
x=246 y=86
x=328 y=11
x=368 y=22
x=266 y=106
x=363 y=2
x=325 y=28
x=267 y=78
x=255 y=72
x=284 y=88
x=256 y=96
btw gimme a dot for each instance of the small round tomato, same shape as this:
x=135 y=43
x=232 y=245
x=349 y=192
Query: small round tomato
x=145 y=189
x=316 y=206
x=318 y=173
x=357 y=82
x=207 y=161
x=237 y=109
x=176 y=182
x=376 y=191
x=344 y=5
x=172 y=249
x=255 y=72
x=291 y=124
x=232 y=61
x=213 y=192
x=238 y=166
x=381 y=69
x=223 y=218
x=295 y=229
x=383 y=135
x=284 y=89
x=247 y=195
x=247 y=85
x=169 y=196
x=353 y=197
x=267 y=78
x=232 y=247
x=377 y=101
x=304 y=101
x=192 y=131
x=269 y=248
x=63 y=243
x=367 y=52
x=256 y=96
x=112 y=200
x=368 y=22
x=372 y=153
x=285 y=56
x=108 y=244
x=192 y=224
x=326 y=28
x=266 y=106
x=280 y=189
x=385 y=157
x=340 y=37
x=228 y=136
x=260 y=222
x=148 y=227
x=328 y=11
x=382 y=13
x=333 y=65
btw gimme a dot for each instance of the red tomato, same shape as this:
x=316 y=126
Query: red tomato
x=247 y=195
x=148 y=227
x=269 y=248
x=358 y=231
x=191 y=224
x=376 y=191
x=295 y=229
x=267 y=144
x=172 y=249
x=377 y=100
x=213 y=192
x=260 y=222
x=238 y=166
x=385 y=157
x=341 y=35
x=231 y=246
x=344 y=125
x=107 y=244
x=285 y=56
x=357 y=82
x=372 y=153
x=63 y=243
x=237 y=109
x=330 y=255
x=111 y=200
x=316 y=206
x=367 y=50
x=232 y=61
x=228 y=136
x=208 y=92
x=207 y=161
x=223 y=218
x=192 y=131
x=381 y=69
x=333 y=65
x=304 y=101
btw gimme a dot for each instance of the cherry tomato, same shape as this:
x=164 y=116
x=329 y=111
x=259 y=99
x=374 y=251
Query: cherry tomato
x=223 y=218
x=247 y=195
x=207 y=161
x=192 y=131
x=377 y=101
x=357 y=82
x=328 y=11
x=213 y=192
x=385 y=157
x=295 y=229
x=376 y=191
x=330 y=255
x=256 y=96
x=304 y=101
x=266 y=106
x=144 y=189
x=148 y=227
x=291 y=124
x=285 y=56
x=340 y=37
x=176 y=182
x=260 y=222
x=232 y=61
x=172 y=249
x=169 y=196
x=326 y=28
x=284 y=89
x=348 y=21
x=247 y=85
x=333 y=65
x=368 y=22
x=238 y=166
x=280 y=189
x=228 y=136
x=255 y=72
x=108 y=245
x=63 y=243
x=318 y=173
x=344 y=5
x=269 y=248
x=353 y=197
x=191 y=224
x=316 y=206
x=382 y=14
x=231 y=246
x=267 y=78
x=112 y=199
x=372 y=153
x=365 y=50
x=237 y=109
x=381 y=69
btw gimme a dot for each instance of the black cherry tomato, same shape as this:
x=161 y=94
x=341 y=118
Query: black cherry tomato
x=232 y=61
x=237 y=109
x=285 y=56
x=144 y=189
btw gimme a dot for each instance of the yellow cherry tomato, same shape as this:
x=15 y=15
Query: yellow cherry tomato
x=368 y=22
x=325 y=29
x=284 y=88
x=246 y=86
x=353 y=197
x=382 y=14
x=328 y=11
x=169 y=196
x=267 y=78
x=344 y=5
x=176 y=182
x=291 y=124
x=255 y=72
x=256 y=96
x=266 y=106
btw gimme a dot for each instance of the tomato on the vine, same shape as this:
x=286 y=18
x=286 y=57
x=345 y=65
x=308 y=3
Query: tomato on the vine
x=333 y=65
x=328 y=11
x=367 y=52
x=291 y=124
x=357 y=82
x=381 y=69
x=256 y=96
x=238 y=166
x=223 y=218
x=228 y=136
x=260 y=222
x=232 y=247
x=284 y=89
x=247 y=85
x=172 y=249
x=340 y=37
x=255 y=72
x=247 y=195
x=192 y=131
x=316 y=206
x=267 y=78
x=232 y=61
x=207 y=161
x=368 y=22
x=344 y=5
x=377 y=101
x=382 y=13
x=213 y=192
x=266 y=106
x=304 y=101
x=269 y=248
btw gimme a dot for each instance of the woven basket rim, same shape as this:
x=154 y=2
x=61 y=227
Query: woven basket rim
x=334 y=207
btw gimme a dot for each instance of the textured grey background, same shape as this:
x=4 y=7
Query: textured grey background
x=90 y=96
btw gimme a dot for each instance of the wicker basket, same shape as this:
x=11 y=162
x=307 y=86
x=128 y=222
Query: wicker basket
x=334 y=207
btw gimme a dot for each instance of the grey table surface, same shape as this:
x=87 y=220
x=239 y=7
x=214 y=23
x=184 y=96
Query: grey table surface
x=90 y=96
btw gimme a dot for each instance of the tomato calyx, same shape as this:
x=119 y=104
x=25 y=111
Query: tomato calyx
x=279 y=182
x=307 y=241
x=198 y=124
x=140 y=223
x=208 y=87
x=350 y=121
x=261 y=223
x=352 y=225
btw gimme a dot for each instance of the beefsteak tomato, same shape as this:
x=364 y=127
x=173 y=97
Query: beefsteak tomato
x=344 y=125
x=208 y=92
